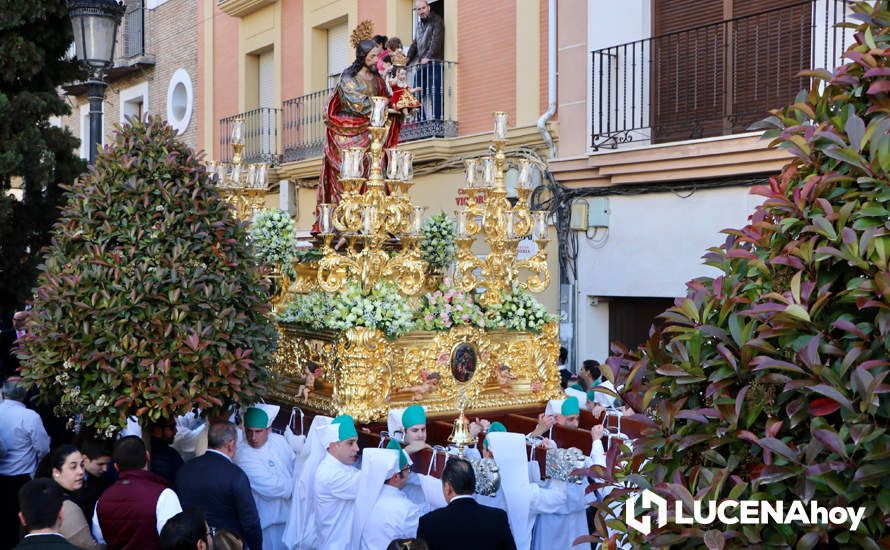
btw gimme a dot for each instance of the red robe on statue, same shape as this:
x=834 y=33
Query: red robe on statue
x=347 y=120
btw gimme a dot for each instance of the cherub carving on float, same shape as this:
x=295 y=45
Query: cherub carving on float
x=403 y=100
x=429 y=384
x=505 y=378
x=312 y=374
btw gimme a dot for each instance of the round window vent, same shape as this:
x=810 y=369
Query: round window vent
x=180 y=98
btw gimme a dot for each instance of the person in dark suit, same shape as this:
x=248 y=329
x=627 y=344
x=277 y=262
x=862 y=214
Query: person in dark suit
x=40 y=503
x=213 y=483
x=464 y=523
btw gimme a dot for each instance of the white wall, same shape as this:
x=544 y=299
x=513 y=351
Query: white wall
x=620 y=73
x=654 y=246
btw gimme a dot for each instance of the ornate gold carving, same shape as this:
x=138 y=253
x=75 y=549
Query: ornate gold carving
x=366 y=374
x=488 y=211
x=245 y=201
x=367 y=219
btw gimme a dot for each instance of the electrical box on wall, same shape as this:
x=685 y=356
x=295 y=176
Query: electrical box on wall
x=580 y=215
x=597 y=212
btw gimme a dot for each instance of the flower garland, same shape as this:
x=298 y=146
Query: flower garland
x=274 y=237
x=387 y=310
x=518 y=310
x=438 y=241
x=446 y=308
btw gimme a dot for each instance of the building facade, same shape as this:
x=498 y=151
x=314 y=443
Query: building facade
x=272 y=63
x=656 y=98
x=155 y=72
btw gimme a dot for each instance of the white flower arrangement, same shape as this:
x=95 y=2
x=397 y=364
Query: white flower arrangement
x=274 y=237
x=310 y=309
x=518 y=310
x=438 y=241
x=384 y=309
x=448 y=307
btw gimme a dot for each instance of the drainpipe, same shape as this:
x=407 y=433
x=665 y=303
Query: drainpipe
x=551 y=79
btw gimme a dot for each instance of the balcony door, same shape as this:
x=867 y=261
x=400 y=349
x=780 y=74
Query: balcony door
x=718 y=66
x=266 y=102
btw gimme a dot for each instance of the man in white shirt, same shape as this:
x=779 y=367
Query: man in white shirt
x=383 y=512
x=336 y=486
x=25 y=442
x=268 y=460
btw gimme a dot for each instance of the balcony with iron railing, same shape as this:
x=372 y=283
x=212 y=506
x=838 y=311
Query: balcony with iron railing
x=712 y=80
x=260 y=134
x=133 y=40
x=303 y=128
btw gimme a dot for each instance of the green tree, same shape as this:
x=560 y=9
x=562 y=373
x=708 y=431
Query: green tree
x=34 y=39
x=769 y=382
x=150 y=301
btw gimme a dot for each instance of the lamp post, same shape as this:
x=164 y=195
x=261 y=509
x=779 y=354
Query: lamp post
x=95 y=25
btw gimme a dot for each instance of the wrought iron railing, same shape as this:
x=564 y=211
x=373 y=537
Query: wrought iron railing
x=303 y=128
x=714 y=79
x=260 y=132
x=134 y=29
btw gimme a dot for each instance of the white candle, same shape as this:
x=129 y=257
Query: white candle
x=324 y=217
x=262 y=175
x=369 y=219
x=251 y=175
x=461 y=216
x=487 y=171
x=393 y=163
x=525 y=173
x=236 y=174
x=378 y=111
x=406 y=166
x=472 y=172
x=509 y=225
x=351 y=163
x=500 y=125
x=539 y=229
x=417 y=220
x=238 y=131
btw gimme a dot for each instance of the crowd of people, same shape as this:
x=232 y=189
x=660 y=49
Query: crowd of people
x=196 y=483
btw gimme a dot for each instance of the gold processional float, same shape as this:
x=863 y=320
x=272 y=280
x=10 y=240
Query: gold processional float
x=373 y=235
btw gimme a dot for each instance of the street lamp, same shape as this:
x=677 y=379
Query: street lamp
x=95 y=25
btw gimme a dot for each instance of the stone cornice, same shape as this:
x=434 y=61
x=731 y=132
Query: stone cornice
x=240 y=8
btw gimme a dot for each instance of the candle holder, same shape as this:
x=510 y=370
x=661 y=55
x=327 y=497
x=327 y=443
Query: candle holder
x=503 y=225
x=378 y=111
x=372 y=211
x=500 y=125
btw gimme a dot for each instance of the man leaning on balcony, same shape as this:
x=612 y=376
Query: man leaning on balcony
x=427 y=52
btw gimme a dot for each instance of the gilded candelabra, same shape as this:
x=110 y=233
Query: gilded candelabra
x=373 y=212
x=243 y=187
x=503 y=224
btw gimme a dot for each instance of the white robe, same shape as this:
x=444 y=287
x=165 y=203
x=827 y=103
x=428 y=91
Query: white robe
x=336 y=486
x=270 y=470
x=547 y=499
x=394 y=517
x=558 y=530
